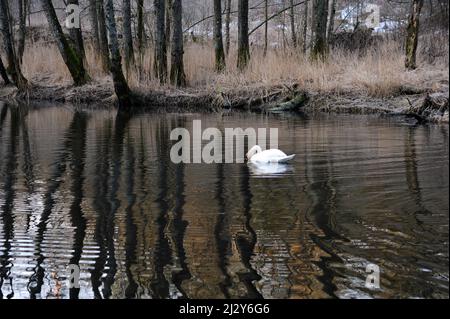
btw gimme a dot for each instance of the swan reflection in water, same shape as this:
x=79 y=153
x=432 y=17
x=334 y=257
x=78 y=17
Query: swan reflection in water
x=270 y=170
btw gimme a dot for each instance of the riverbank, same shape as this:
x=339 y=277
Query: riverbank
x=421 y=104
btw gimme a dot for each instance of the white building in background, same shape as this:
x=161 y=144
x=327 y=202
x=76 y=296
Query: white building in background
x=365 y=15
x=388 y=26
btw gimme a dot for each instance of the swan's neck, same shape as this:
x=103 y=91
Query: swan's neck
x=253 y=151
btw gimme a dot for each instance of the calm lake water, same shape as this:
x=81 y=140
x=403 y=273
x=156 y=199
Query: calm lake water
x=99 y=191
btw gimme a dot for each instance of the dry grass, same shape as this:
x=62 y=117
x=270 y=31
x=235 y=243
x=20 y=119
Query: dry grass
x=43 y=64
x=379 y=72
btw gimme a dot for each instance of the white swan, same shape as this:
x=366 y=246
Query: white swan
x=257 y=155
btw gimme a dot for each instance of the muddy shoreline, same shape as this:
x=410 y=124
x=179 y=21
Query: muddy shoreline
x=421 y=105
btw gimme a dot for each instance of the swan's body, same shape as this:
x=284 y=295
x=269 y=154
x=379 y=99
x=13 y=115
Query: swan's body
x=257 y=155
x=269 y=170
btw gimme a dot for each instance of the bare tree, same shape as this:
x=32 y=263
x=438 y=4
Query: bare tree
x=127 y=35
x=412 y=34
x=120 y=84
x=160 y=63
x=266 y=26
x=177 y=75
x=305 y=28
x=8 y=45
x=71 y=57
x=94 y=25
x=77 y=36
x=319 y=42
x=140 y=26
x=218 y=40
x=23 y=6
x=103 y=36
x=243 y=41
x=168 y=23
x=331 y=20
x=227 y=26
x=3 y=73
x=292 y=21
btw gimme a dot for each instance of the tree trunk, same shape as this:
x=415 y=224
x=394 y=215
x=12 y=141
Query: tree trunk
x=266 y=26
x=140 y=26
x=72 y=59
x=331 y=20
x=23 y=6
x=160 y=63
x=127 y=35
x=227 y=27
x=218 y=40
x=283 y=26
x=8 y=45
x=412 y=34
x=305 y=28
x=177 y=75
x=94 y=25
x=77 y=37
x=292 y=20
x=319 y=45
x=103 y=36
x=3 y=73
x=169 y=22
x=243 y=42
x=120 y=84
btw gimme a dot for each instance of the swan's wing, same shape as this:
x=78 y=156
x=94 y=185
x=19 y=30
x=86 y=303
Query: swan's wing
x=285 y=159
x=271 y=156
x=268 y=156
x=272 y=153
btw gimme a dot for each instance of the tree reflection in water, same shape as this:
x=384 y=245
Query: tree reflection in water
x=98 y=189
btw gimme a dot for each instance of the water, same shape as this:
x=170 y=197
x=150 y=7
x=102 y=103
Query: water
x=90 y=189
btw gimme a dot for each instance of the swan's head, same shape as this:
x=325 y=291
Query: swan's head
x=253 y=151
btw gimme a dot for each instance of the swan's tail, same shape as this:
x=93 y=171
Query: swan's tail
x=286 y=159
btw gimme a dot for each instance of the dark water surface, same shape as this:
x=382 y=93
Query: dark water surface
x=90 y=189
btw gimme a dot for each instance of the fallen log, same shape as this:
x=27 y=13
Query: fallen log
x=295 y=104
x=434 y=107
